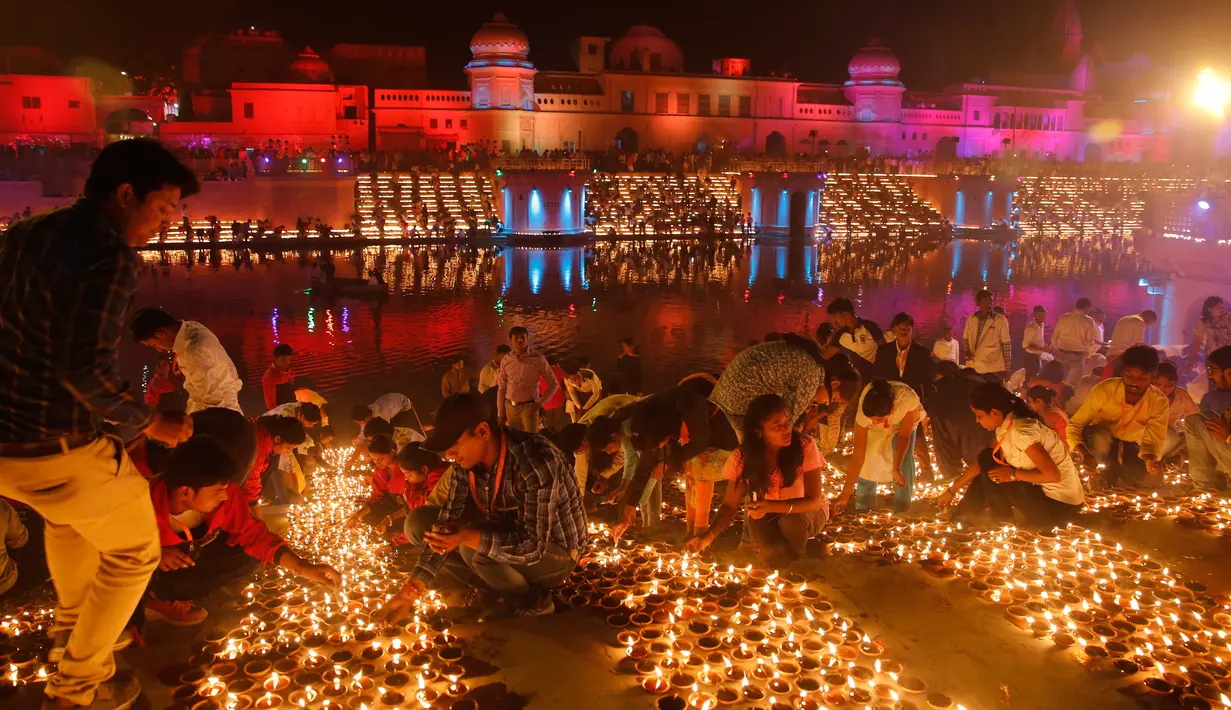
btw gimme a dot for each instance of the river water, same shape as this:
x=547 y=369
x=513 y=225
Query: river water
x=689 y=306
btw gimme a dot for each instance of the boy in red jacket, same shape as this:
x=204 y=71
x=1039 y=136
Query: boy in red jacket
x=387 y=500
x=161 y=383
x=278 y=382
x=209 y=538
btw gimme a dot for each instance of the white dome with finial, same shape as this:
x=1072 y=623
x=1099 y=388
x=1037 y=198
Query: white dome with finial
x=499 y=39
x=310 y=67
x=874 y=63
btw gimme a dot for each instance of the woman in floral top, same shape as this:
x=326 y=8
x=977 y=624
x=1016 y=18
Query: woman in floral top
x=776 y=477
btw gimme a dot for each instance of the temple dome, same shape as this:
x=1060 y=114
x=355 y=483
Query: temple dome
x=638 y=48
x=499 y=39
x=874 y=63
x=309 y=66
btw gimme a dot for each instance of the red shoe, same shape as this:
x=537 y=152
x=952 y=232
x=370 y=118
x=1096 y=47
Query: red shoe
x=174 y=613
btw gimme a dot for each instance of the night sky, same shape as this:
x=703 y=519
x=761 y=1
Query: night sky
x=938 y=41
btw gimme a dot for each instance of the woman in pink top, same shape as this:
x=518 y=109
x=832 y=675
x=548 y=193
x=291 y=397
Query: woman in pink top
x=776 y=477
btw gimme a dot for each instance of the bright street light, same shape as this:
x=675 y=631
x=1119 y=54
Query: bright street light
x=1211 y=93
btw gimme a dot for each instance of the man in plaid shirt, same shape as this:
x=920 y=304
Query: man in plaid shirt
x=68 y=279
x=513 y=523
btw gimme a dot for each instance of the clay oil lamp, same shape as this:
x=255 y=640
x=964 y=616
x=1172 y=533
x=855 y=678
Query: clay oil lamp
x=276 y=683
x=750 y=692
x=269 y=701
x=303 y=697
x=701 y=699
x=456 y=687
x=373 y=652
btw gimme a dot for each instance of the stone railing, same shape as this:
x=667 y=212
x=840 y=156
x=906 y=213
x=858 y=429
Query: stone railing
x=541 y=163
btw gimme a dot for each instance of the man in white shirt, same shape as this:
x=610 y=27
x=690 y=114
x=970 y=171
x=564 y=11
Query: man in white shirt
x=210 y=377
x=1098 y=315
x=1130 y=330
x=1034 y=343
x=989 y=348
x=489 y=376
x=946 y=346
x=858 y=337
x=1074 y=339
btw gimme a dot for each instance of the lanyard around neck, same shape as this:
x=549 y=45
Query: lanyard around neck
x=489 y=509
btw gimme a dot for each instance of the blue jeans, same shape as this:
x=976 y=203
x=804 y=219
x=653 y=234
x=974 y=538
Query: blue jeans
x=865 y=491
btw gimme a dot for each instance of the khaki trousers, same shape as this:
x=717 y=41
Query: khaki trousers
x=523 y=417
x=102 y=547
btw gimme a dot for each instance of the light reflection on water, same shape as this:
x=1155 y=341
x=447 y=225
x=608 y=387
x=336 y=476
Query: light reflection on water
x=689 y=306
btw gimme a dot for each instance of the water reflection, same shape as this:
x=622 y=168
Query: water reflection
x=689 y=304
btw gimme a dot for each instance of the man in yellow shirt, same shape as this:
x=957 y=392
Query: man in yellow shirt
x=1122 y=426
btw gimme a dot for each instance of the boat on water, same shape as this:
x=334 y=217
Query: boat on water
x=364 y=289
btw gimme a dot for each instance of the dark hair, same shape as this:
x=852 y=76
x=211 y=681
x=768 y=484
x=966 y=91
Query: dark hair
x=824 y=332
x=289 y=429
x=630 y=342
x=324 y=432
x=992 y=396
x=149 y=321
x=878 y=399
x=376 y=427
x=381 y=444
x=503 y=350
x=773 y=336
x=1168 y=370
x=1039 y=308
x=283 y=350
x=753 y=449
x=1220 y=357
x=1142 y=357
x=902 y=318
x=1043 y=393
x=982 y=294
x=1083 y=303
x=1150 y=313
x=361 y=411
x=1207 y=308
x=571 y=367
x=199 y=462
x=840 y=305
x=601 y=431
x=141 y=162
x=945 y=368
x=518 y=330
x=839 y=368
x=1053 y=371
x=414 y=457
x=653 y=422
x=572 y=437
x=310 y=412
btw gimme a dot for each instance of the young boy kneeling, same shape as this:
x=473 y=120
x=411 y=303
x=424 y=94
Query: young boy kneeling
x=196 y=502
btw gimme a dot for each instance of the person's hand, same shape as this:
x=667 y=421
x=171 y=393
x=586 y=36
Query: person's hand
x=840 y=503
x=174 y=558
x=382 y=526
x=757 y=509
x=627 y=518
x=321 y=574
x=170 y=428
x=1087 y=459
x=944 y=500
x=1218 y=428
x=400 y=605
x=600 y=486
x=618 y=494
x=1154 y=468
x=1002 y=474
x=443 y=543
x=697 y=543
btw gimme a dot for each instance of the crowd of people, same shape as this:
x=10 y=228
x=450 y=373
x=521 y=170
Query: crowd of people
x=147 y=507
